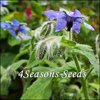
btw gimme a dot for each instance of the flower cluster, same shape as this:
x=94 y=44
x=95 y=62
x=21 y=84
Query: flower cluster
x=67 y=19
x=16 y=29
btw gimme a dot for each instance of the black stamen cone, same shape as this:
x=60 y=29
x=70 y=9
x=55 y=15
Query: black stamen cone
x=69 y=25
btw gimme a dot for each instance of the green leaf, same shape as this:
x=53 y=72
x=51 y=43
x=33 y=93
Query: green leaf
x=88 y=53
x=49 y=63
x=21 y=53
x=35 y=6
x=67 y=66
x=3 y=33
x=39 y=90
x=2 y=70
x=5 y=82
x=68 y=43
x=86 y=30
x=13 y=15
x=4 y=59
x=13 y=41
x=16 y=65
x=95 y=86
x=60 y=61
x=32 y=57
x=6 y=76
x=41 y=69
x=24 y=47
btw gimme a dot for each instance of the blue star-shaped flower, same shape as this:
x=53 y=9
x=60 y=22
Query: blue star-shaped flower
x=69 y=20
x=16 y=29
x=3 y=2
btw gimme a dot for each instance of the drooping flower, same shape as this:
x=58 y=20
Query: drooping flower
x=3 y=2
x=67 y=19
x=16 y=29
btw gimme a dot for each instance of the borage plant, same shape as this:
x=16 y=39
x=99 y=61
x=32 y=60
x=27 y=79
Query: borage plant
x=59 y=53
x=53 y=53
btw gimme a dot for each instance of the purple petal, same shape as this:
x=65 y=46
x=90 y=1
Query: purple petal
x=61 y=15
x=3 y=2
x=15 y=23
x=76 y=13
x=80 y=20
x=13 y=33
x=69 y=13
x=5 y=25
x=22 y=31
x=76 y=26
x=27 y=29
x=51 y=14
x=61 y=24
x=88 y=26
x=24 y=28
x=25 y=36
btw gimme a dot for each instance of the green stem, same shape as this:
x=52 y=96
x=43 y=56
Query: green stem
x=84 y=85
x=71 y=35
x=88 y=73
x=19 y=55
x=26 y=84
x=66 y=34
x=32 y=42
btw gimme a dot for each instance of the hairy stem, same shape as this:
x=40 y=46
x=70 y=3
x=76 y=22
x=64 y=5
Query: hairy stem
x=71 y=35
x=84 y=84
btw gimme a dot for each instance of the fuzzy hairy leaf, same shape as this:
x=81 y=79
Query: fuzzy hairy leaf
x=87 y=51
x=41 y=69
x=4 y=59
x=32 y=58
x=16 y=65
x=67 y=43
x=95 y=87
x=12 y=41
x=40 y=89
